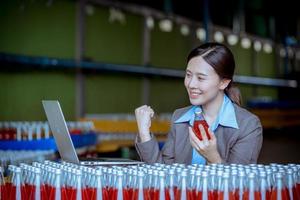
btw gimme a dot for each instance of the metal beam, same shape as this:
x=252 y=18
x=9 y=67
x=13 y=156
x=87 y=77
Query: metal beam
x=79 y=79
x=51 y=63
x=146 y=59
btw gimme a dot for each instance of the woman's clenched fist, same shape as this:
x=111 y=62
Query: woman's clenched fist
x=143 y=117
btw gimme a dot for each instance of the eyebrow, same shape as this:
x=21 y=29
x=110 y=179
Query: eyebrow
x=197 y=73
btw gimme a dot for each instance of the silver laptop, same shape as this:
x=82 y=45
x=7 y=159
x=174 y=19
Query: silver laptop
x=64 y=143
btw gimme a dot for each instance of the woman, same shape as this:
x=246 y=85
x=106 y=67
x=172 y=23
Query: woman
x=235 y=135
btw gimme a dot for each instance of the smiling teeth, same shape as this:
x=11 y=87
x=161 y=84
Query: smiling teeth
x=193 y=93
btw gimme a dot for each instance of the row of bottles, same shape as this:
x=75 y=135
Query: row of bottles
x=10 y=157
x=18 y=130
x=62 y=181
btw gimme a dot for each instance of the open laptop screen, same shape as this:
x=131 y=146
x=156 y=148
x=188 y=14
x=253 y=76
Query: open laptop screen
x=60 y=131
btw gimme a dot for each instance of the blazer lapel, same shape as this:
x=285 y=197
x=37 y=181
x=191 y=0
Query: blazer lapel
x=183 y=146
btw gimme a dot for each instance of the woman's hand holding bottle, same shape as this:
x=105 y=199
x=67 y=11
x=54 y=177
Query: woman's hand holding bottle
x=207 y=147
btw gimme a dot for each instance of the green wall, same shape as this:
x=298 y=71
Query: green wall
x=167 y=95
x=41 y=30
x=169 y=49
x=265 y=68
x=110 y=93
x=38 y=29
x=22 y=93
x=113 y=42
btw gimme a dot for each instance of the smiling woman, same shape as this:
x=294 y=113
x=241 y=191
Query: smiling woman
x=234 y=134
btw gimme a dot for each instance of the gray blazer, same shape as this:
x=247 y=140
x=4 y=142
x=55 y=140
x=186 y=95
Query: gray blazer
x=234 y=145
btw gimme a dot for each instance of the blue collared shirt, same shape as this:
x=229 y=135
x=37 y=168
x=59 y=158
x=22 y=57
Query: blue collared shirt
x=226 y=117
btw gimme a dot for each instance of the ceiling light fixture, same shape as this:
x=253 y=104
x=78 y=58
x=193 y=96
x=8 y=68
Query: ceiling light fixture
x=184 y=30
x=166 y=25
x=150 y=22
x=267 y=48
x=257 y=46
x=232 y=39
x=246 y=43
x=218 y=37
x=201 y=34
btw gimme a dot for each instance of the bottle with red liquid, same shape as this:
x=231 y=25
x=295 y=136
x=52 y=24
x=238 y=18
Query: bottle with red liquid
x=118 y=192
x=134 y=182
x=139 y=190
x=49 y=183
x=67 y=188
x=8 y=131
x=252 y=192
x=192 y=184
x=219 y=181
x=34 y=183
x=14 y=185
x=74 y=128
x=242 y=185
x=270 y=179
x=1 y=131
x=55 y=185
x=114 y=175
x=89 y=181
x=130 y=181
x=104 y=181
x=46 y=130
x=3 y=192
x=162 y=193
x=109 y=181
x=78 y=175
x=63 y=186
x=72 y=187
x=225 y=193
x=291 y=185
x=181 y=193
x=213 y=186
x=148 y=183
x=204 y=187
x=171 y=185
x=86 y=189
x=154 y=190
x=279 y=190
x=37 y=184
x=297 y=179
x=234 y=180
x=24 y=179
x=199 y=119
x=264 y=186
x=97 y=186
x=27 y=182
x=8 y=184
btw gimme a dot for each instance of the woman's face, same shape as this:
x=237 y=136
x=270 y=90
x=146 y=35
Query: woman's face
x=203 y=84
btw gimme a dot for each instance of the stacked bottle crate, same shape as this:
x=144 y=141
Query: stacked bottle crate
x=24 y=141
x=36 y=130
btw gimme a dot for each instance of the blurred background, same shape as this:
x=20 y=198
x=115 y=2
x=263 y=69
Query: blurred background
x=102 y=58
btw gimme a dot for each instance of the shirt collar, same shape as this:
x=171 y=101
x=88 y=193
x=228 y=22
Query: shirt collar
x=226 y=116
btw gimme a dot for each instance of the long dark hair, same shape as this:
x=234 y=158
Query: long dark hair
x=222 y=60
